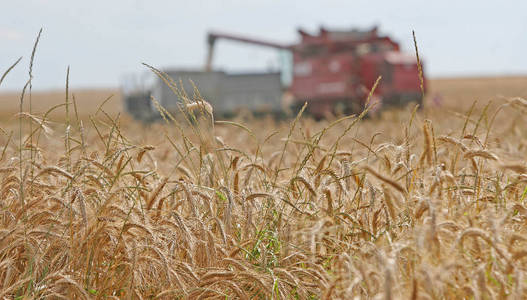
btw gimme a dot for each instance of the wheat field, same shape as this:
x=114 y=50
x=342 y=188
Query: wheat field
x=405 y=204
x=88 y=101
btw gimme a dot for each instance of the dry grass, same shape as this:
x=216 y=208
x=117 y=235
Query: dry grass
x=390 y=207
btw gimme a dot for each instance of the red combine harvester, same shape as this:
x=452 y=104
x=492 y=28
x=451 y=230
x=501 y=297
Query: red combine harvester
x=335 y=70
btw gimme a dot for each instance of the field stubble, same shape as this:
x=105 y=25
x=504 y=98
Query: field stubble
x=394 y=206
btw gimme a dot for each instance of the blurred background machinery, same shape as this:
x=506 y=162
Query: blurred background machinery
x=333 y=71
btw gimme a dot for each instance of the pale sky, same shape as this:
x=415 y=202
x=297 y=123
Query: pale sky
x=102 y=40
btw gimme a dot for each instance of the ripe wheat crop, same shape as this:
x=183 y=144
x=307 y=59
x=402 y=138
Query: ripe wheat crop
x=394 y=206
